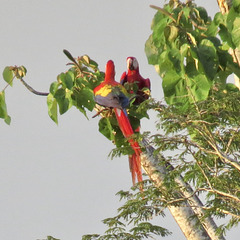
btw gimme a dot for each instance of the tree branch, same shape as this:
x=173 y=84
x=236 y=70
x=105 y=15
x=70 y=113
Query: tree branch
x=157 y=172
x=33 y=90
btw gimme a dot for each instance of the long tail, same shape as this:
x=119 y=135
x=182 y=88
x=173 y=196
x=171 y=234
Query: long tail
x=126 y=128
x=132 y=160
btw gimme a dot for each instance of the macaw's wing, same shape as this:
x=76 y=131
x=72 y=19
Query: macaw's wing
x=111 y=97
x=148 y=83
x=123 y=78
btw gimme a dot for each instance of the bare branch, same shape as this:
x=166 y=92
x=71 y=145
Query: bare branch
x=33 y=90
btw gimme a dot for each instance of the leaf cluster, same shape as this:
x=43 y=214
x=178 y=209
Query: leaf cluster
x=200 y=125
x=9 y=73
x=74 y=87
x=187 y=52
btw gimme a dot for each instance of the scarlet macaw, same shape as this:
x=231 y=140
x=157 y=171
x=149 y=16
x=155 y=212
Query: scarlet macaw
x=132 y=77
x=112 y=94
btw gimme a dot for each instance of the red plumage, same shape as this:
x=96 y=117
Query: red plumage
x=112 y=94
x=132 y=76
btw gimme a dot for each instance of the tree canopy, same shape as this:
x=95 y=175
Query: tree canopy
x=199 y=133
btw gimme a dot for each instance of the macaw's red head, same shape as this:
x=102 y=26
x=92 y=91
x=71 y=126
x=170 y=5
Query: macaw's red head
x=132 y=64
x=110 y=70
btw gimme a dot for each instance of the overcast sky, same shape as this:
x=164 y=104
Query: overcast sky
x=58 y=180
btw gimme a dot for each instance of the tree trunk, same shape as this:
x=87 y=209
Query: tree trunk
x=186 y=216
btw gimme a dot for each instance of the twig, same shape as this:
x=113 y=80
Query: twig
x=213 y=190
x=223 y=211
x=164 y=12
x=99 y=112
x=33 y=90
x=8 y=84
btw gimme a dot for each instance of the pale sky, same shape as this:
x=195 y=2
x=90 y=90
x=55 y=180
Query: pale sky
x=58 y=180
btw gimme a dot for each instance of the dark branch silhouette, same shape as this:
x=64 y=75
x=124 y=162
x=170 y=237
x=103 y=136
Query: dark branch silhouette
x=33 y=90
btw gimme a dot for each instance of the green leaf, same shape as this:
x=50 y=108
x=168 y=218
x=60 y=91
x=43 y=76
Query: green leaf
x=165 y=64
x=226 y=36
x=236 y=5
x=212 y=29
x=176 y=59
x=93 y=64
x=182 y=90
x=8 y=75
x=151 y=51
x=147 y=227
x=236 y=32
x=137 y=112
x=3 y=108
x=69 y=55
x=163 y=33
x=7 y=120
x=208 y=57
x=67 y=79
x=105 y=127
x=184 y=50
x=52 y=238
x=200 y=87
x=52 y=108
x=220 y=18
x=63 y=100
x=184 y=18
x=134 y=120
x=83 y=98
x=202 y=13
x=171 y=32
x=170 y=84
x=53 y=87
x=232 y=87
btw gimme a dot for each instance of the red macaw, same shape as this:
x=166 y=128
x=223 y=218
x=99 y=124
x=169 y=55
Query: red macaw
x=133 y=77
x=112 y=94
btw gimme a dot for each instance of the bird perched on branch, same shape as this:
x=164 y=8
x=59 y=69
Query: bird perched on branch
x=140 y=87
x=112 y=94
x=136 y=83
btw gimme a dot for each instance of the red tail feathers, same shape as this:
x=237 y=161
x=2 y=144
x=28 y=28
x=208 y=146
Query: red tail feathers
x=134 y=160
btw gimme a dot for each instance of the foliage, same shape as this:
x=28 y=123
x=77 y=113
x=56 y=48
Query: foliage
x=51 y=238
x=74 y=87
x=136 y=215
x=188 y=55
x=9 y=73
x=205 y=142
x=201 y=123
